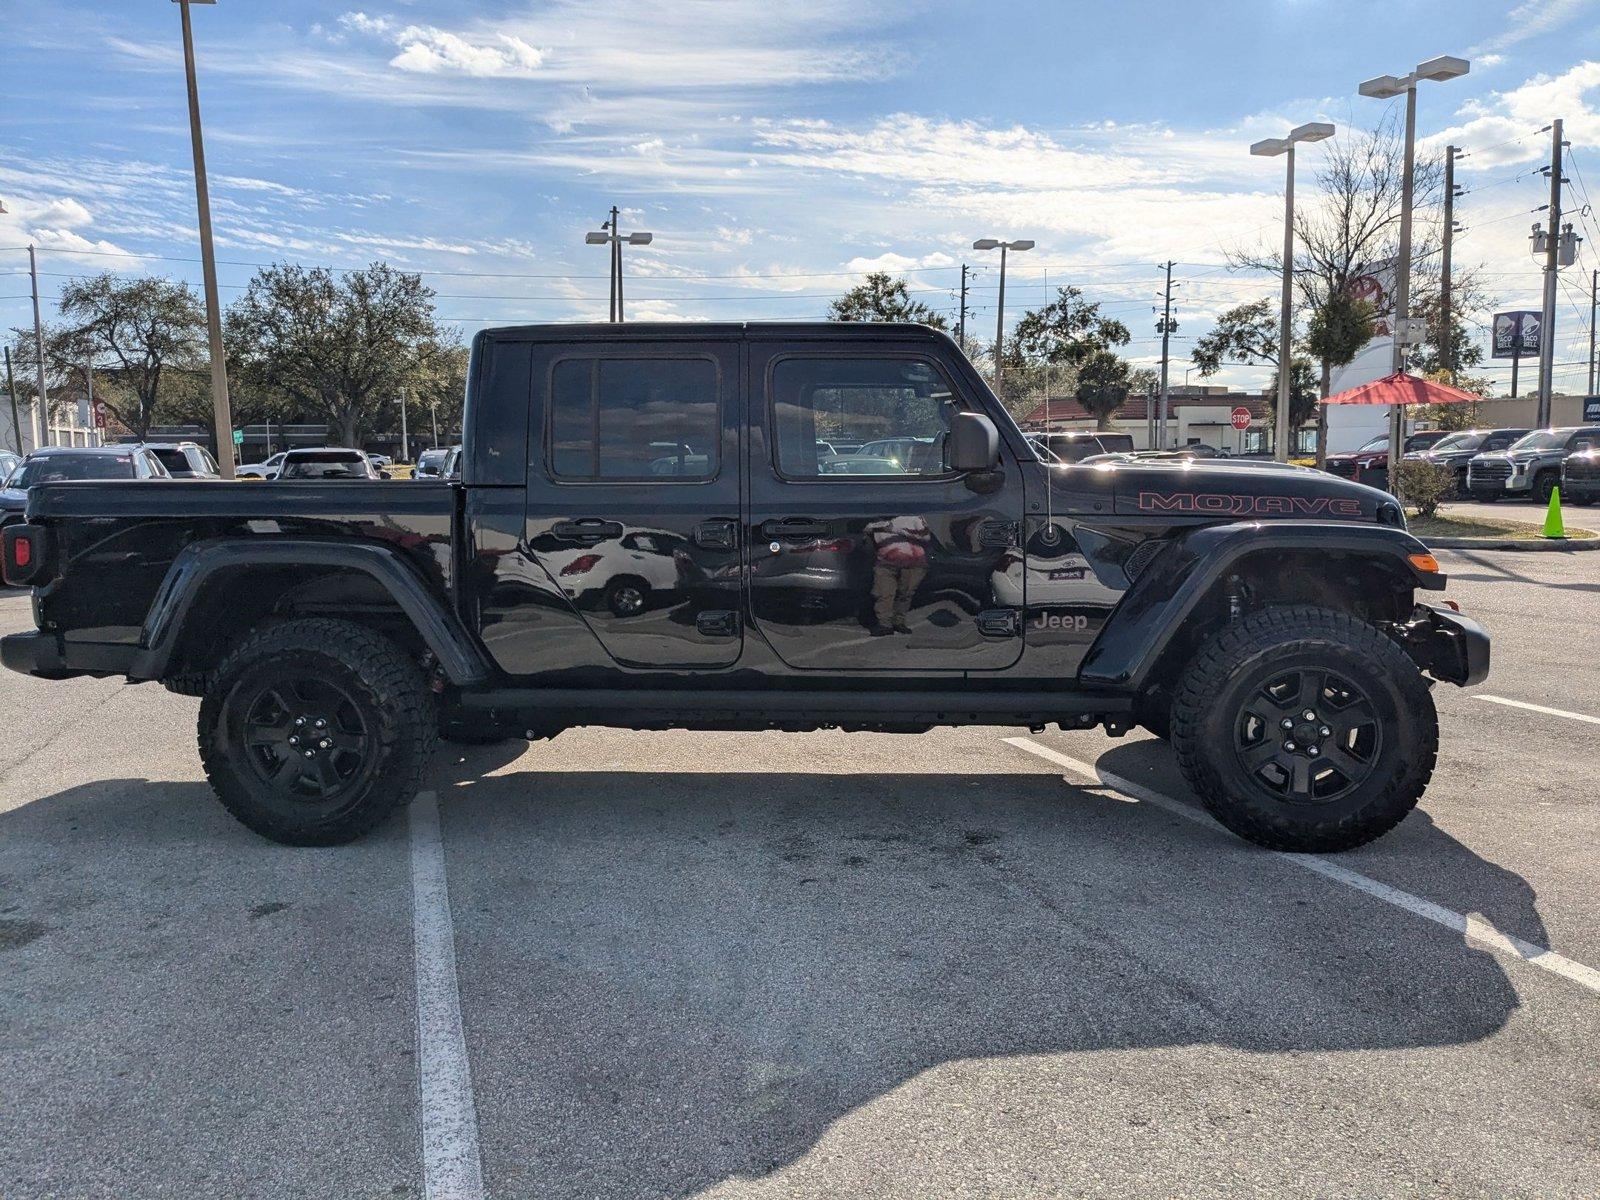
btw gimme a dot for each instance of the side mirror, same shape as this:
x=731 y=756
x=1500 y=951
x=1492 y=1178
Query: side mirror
x=974 y=443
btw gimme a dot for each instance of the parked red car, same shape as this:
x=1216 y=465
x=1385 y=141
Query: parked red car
x=1370 y=464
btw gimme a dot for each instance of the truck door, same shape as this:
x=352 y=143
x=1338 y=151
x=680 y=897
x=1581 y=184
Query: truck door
x=633 y=494
x=866 y=552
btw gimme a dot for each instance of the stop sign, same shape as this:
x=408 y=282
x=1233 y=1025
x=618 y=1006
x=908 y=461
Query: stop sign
x=1240 y=418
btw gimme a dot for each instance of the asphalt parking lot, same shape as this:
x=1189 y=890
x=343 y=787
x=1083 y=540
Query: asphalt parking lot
x=973 y=962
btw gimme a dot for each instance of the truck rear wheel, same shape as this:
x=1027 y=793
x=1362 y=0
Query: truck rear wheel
x=1305 y=729
x=312 y=732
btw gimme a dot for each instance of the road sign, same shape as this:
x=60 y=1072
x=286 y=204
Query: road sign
x=238 y=437
x=1239 y=418
x=99 y=414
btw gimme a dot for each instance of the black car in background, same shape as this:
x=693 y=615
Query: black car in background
x=1580 y=477
x=1458 y=449
x=1076 y=445
x=58 y=464
x=430 y=464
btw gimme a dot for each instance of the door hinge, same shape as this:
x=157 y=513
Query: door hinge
x=717 y=623
x=1000 y=622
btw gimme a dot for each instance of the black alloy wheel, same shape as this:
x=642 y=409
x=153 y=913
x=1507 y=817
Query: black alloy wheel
x=314 y=731
x=304 y=736
x=1310 y=735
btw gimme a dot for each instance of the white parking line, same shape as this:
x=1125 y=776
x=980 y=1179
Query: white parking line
x=1538 y=708
x=451 y=1169
x=1471 y=927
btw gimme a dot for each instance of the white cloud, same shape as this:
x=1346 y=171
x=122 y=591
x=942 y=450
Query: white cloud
x=1527 y=20
x=428 y=51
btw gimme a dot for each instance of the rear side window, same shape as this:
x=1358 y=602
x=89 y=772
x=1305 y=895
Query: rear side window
x=633 y=418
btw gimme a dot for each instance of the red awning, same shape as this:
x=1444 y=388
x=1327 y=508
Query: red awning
x=1401 y=388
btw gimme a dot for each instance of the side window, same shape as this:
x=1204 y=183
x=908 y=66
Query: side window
x=633 y=418
x=1587 y=440
x=896 y=410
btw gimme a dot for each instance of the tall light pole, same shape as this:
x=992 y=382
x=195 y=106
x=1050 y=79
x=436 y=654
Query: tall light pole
x=221 y=409
x=1314 y=131
x=610 y=235
x=1000 y=314
x=1387 y=87
x=41 y=404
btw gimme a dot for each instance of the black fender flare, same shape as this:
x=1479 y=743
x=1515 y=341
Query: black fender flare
x=441 y=630
x=1164 y=596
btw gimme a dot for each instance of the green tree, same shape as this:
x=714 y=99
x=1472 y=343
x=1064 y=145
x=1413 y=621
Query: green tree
x=1104 y=381
x=1303 y=395
x=142 y=334
x=339 y=346
x=1338 y=328
x=881 y=297
x=1247 y=334
x=1067 y=330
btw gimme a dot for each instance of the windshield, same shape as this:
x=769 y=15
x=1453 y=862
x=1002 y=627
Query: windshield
x=349 y=465
x=1377 y=443
x=54 y=468
x=1459 y=441
x=1543 y=439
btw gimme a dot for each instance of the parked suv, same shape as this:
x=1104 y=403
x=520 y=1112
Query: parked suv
x=1370 y=463
x=185 y=460
x=1458 y=449
x=1580 y=477
x=1530 y=467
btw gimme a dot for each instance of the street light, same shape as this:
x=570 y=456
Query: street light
x=1000 y=314
x=221 y=410
x=1387 y=87
x=1314 y=131
x=609 y=236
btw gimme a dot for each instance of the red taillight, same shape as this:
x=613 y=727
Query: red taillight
x=581 y=564
x=23 y=554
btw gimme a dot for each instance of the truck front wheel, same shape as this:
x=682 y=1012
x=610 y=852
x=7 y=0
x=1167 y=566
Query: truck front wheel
x=1305 y=729
x=314 y=731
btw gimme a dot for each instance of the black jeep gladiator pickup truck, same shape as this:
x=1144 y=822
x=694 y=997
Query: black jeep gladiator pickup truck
x=654 y=528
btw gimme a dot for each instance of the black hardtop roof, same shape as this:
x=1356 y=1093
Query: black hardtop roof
x=688 y=330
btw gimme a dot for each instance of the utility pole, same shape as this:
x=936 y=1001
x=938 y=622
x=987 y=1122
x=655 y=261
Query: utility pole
x=961 y=323
x=1000 y=324
x=1402 y=291
x=16 y=421
x=221 y=409
x=1166 y=327
x=405 y=436
x=433 y=412
x=1594 y=294
x=1552 y=251
x=1447 y=357
x=41 y=403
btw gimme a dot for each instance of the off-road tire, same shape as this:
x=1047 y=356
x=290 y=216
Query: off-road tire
x=386 y=688
x=1222 y=679
x=1543 y=484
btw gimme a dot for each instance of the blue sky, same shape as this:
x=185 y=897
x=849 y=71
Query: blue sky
x=775 y=150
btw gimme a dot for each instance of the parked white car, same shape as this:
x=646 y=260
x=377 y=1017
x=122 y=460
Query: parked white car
x=261 y=470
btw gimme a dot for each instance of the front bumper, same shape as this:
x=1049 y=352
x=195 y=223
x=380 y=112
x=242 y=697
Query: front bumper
x=45 y=656
x=1450 y=647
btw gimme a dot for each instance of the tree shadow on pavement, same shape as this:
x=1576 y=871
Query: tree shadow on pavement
x=679 y=979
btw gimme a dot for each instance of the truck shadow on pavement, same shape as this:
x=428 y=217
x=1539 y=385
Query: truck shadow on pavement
x=678 y=979
x=672 y=980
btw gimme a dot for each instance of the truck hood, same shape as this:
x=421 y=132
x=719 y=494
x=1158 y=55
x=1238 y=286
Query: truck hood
x=1223 y=492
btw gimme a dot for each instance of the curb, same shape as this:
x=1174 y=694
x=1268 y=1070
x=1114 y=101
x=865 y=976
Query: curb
x=1527 y=546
